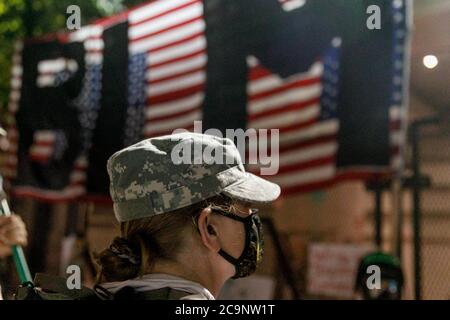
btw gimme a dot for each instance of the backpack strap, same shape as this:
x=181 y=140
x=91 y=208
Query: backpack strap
x=53 y=284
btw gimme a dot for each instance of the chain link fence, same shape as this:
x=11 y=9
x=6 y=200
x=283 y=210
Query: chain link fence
x=434 y=157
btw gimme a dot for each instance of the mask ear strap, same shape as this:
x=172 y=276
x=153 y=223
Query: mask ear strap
x=229 y=258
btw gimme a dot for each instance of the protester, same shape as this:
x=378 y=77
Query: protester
x=387 y=285
x=185 y=228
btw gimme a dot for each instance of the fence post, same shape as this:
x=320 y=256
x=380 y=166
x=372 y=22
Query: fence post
x=415 y=128
x=417 y=212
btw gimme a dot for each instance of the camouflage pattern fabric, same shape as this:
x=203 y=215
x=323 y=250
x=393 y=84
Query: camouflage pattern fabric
x=162 y=174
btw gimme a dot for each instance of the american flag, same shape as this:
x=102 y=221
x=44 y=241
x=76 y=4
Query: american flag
x=166 y=89
x=46 y=143
x=171 y=34
x=303 y=107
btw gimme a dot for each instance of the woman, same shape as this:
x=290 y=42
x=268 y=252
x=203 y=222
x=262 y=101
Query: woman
x=187 y=223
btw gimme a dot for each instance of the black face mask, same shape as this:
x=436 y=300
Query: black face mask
x=246 y=264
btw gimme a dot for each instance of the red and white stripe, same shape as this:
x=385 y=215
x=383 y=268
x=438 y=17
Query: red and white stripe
x=172 y=34
x=48 y=69
x=92 y=37
x=74 y=190
x=43 y=146
x=9 y=158
x=397 y=136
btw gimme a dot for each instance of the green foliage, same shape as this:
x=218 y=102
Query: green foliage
x=11 y=28
x=29 y=18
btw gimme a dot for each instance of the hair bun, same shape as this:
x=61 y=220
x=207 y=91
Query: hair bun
x=122 y=248
x=119 y=262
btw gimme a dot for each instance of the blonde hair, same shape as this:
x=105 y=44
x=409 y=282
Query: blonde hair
x=144 y=241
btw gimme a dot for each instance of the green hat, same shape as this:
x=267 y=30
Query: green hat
x=162 y=174
x=390 y=267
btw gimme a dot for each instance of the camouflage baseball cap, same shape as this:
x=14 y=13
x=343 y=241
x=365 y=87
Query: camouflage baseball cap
x=166 y=173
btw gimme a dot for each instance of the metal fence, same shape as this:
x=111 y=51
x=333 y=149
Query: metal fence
x=430 y=157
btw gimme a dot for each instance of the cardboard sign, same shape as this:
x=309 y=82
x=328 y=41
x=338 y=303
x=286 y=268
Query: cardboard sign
x=332 y=268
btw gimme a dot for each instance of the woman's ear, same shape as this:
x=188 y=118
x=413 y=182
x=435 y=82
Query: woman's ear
x=208 y=231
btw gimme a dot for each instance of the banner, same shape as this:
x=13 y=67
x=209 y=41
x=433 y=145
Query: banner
x=314 y=70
